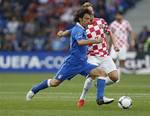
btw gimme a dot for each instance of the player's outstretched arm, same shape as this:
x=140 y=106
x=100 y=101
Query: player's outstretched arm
x=90 y=41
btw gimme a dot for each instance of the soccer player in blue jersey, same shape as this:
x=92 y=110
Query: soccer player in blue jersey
x=76 y=62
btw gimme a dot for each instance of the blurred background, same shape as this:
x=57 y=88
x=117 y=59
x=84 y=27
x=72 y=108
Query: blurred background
x=28 y=41
x=30 y=52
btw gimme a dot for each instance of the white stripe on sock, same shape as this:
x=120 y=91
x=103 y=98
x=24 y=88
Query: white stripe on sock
x=48 y=82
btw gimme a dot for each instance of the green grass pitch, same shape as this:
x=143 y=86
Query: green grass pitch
x=61 y=101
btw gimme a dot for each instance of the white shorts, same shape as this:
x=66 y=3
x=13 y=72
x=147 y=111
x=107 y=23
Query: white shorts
x=121 y=55
x=106 y=63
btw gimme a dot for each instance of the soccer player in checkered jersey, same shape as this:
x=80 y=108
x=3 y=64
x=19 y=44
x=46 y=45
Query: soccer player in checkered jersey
x=98 y=54
x=121 y=28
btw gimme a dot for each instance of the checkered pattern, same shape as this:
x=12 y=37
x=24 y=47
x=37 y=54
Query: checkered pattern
x=100 y=28
x=121 y=32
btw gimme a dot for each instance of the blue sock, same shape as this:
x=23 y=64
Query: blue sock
x=40 y=86
x=100 y=88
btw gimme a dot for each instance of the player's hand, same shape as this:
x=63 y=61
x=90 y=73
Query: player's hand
x=99 y=39
x=116 y=49
x=60 y=34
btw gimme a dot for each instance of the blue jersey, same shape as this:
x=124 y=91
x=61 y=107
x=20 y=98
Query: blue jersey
x=76 y=62
x=77 y=53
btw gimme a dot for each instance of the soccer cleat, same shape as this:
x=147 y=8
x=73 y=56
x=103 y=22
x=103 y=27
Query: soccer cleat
x=80 y=103
x=105 y=100
x=29 y=95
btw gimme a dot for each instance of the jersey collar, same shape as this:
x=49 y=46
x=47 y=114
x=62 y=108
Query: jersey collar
x=80 y=26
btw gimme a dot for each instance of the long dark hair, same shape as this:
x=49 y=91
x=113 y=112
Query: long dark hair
x=80 y=13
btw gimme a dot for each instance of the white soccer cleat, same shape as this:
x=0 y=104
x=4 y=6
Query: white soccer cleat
x=105 y=100
x=29 y=95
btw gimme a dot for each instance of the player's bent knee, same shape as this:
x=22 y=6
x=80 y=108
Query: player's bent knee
x=113 y=76
x=114 y=79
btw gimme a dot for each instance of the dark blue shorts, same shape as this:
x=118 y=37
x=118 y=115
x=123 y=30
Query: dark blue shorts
x=67 y=71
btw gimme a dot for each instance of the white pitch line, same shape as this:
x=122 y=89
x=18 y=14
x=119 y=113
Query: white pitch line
x=72 y=93
x=69 y=95
x=23 y=84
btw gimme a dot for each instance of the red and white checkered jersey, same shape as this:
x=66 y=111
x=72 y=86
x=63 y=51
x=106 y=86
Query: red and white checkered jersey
x=121 y=32
x=98 y=27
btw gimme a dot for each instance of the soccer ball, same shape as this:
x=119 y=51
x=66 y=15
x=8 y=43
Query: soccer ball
x=125 y=102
